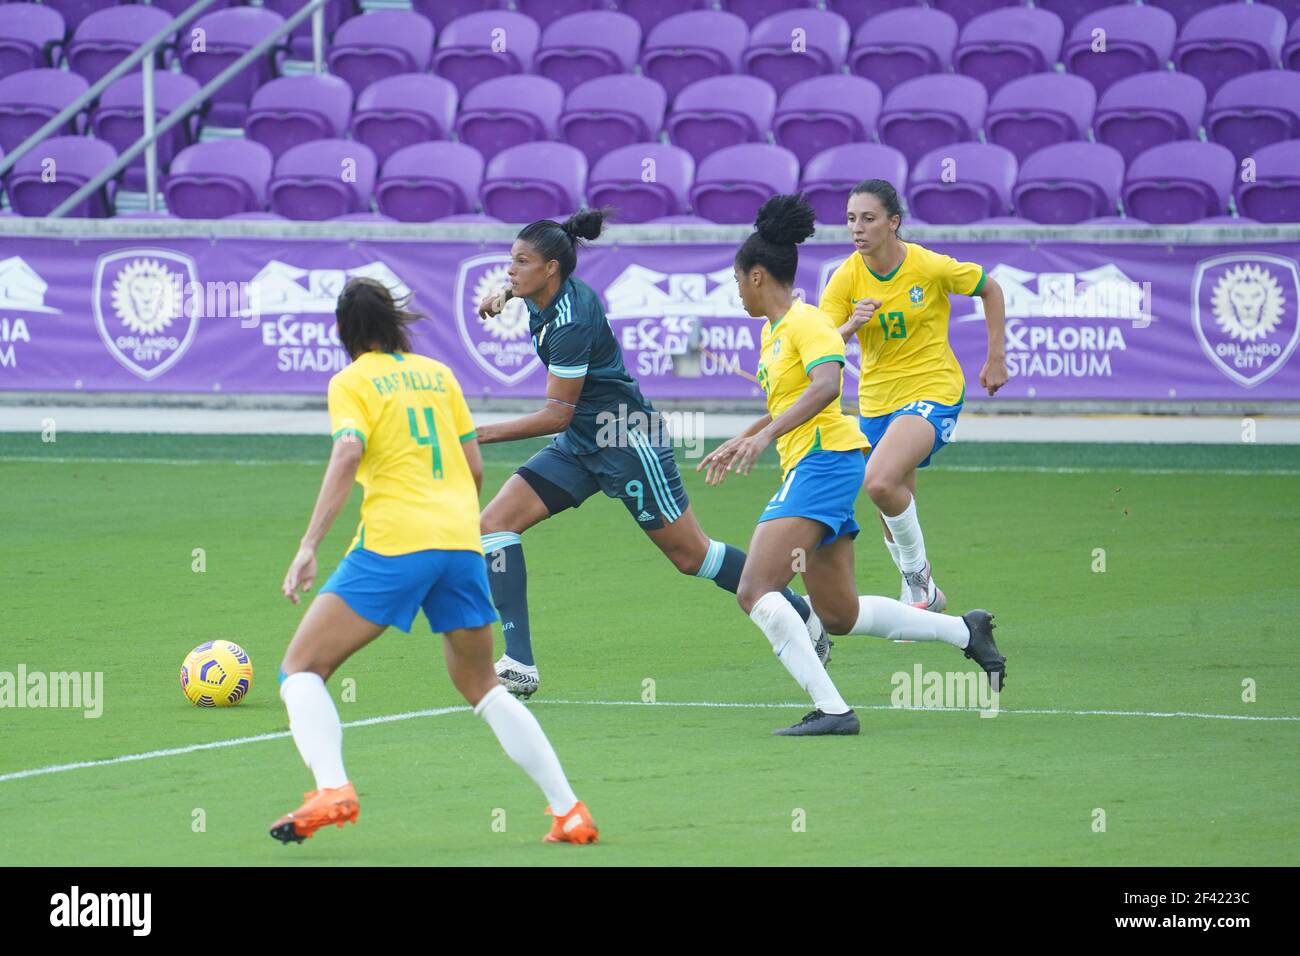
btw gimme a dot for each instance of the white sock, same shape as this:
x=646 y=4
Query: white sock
x=789 y=637
x=524 y=741
x=906 y=531
x=315 y=726
x=884 y=617
x=893 y=553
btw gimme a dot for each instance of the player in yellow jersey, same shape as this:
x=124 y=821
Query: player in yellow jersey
x=811 y=515
x=893 y=296
x=403 y=431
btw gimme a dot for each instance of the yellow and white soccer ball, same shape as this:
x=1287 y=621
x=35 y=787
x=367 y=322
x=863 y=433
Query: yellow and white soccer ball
x=217 y=674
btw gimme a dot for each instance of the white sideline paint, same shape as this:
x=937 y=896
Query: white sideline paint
x=972 y=427
x=713 y=705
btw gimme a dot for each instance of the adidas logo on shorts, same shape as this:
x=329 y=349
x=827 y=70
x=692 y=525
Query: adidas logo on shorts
x=645 y=516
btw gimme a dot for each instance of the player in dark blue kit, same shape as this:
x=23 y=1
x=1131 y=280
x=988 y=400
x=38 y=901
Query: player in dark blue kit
x=607 y=438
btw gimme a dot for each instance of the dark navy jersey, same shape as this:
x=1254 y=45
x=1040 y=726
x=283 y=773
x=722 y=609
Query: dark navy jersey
x=573 y=339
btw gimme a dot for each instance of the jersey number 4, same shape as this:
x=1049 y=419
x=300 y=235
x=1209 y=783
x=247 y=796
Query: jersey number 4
x=894 y=324
x=431 y=439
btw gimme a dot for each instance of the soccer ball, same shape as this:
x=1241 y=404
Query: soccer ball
x=217 y=674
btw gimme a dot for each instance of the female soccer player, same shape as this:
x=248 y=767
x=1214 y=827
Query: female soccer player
x=610 y=439
x=893 y=296
x=811 y=515
x=402 y=429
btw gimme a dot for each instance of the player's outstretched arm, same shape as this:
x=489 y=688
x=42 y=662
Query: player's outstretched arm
x=340 y=473
x=823 y=388
x=561 y=399
x=994 y=373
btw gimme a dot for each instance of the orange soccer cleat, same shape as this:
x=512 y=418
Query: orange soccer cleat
x=320 y=808
x=576 y=826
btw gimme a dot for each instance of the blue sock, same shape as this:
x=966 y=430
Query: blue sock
x=723 y=564
x=508 y=578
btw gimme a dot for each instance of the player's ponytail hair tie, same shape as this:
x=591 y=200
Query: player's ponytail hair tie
x=782 y=223
x=370 y=319
x=560 y=240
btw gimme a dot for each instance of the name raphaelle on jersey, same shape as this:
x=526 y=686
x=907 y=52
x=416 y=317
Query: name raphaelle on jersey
x=573 y=339
x=906 y=356
x=801 y=340
x=410 y=414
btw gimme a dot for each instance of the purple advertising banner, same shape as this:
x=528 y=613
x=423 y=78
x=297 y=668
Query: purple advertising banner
x=1128 y=321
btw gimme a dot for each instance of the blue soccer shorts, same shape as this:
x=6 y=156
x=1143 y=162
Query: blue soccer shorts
x=822 y=486
x=450 y=586
x=942 y=417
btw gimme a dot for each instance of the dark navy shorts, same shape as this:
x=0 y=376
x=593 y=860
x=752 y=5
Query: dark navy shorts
x=389 y=590
x=641 y=475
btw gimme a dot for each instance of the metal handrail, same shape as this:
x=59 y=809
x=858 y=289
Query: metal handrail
x=311 y=8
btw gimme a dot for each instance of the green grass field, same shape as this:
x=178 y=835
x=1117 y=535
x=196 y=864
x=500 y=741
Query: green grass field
x=1198 y=595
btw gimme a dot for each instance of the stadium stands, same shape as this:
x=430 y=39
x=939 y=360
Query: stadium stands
x=1059 y=111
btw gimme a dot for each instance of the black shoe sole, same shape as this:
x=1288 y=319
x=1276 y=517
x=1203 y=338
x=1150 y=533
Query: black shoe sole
x=286 y=834
x=997 y=667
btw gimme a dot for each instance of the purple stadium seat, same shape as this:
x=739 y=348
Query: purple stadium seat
x=903 y=44
x=1227 y=221
x=1004 y=45
x=826 y=111
x=1069 y=183
x=307 y=183
x=962 y=182
x=619 y=179
x=585 y=46
x=694 y=46
x=336 y=11
x=1040 y=110
x=650 y=12
x=1254 y=110
x=932 y=111
x=546 y=12
x=1183 y=10
x=771 y=56
x=177 y=7
x=465 y=53
x=381 y=44
x=858 y=12
x=363 y=217
x=682 y=221
x=1148 y=109
x=1072 y=11
x=430 y=181
x=602 y=115
x=509 y=110
x=534 y=181
x=77 y=159
x=753 y=12
x=107 y=37
x=963 y=11
x=74 y=11
x=30 y=36
x=218 y=179
x=1274 y=196
x=31 y=98
x=442 y=12
x=1230 y=40
x=1138 y=40
x=721 y=111
x=404 y=110
x=118 y=119
x=1180 y=182
x=1291 y=50
x=829 y=176
x=1115 y=221
x=257 y=214
x=230 y=34
x=732 y=183
x=472 y=217
x=297 y=109
x=1290 y=8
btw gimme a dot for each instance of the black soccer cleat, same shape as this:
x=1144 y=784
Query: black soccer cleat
x=285 y=833
x=819 y=724
x=983 y=650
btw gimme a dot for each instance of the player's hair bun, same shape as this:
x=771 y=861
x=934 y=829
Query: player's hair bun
x=785 y=220
x=585 y=224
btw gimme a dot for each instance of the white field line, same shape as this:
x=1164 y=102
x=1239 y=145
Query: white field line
x=320 y=463
x=715 y=705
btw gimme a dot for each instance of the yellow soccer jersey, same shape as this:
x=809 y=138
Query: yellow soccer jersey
x=411 y=414
x=905 y=352
x=800 y=340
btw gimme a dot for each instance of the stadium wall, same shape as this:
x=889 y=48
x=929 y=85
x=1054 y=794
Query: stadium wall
x=1190 y=319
